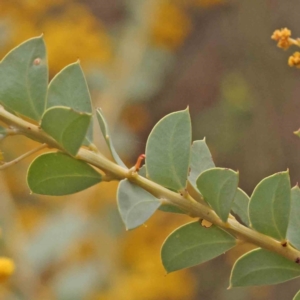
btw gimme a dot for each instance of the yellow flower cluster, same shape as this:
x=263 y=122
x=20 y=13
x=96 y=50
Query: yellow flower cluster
x=171 y=26
x=282 y=36
x=7 y=268
x=294 y=60
x=172 y=23
x=91 y=44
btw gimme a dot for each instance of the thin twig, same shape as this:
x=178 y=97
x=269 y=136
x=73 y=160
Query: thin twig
x=13 y=162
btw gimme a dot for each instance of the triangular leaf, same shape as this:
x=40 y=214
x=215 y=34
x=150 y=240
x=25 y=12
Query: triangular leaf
x=240 y=206
x=193 y=244
x=294 y=223
x=58 y=174
x=218 y=187
x=105 y=132
x=201 y=160
x=168 y=150
x=24 y=79
x=269 y=208
x=69 y=88
x=135 y=204
x=262 y=267
x=67 y=126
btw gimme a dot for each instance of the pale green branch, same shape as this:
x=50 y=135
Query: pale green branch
x=187 y=204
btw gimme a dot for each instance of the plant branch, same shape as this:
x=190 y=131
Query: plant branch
x=187 y=204
x=21 y=157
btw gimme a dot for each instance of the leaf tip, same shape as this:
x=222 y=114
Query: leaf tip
x=167 y=271
x=230 y=287
x=297 y=132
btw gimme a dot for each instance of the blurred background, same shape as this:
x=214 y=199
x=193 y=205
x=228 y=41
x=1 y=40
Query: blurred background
x=144 y=59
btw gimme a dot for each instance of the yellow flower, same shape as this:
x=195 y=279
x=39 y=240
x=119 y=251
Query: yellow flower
x=171 y=26
x=294 y=60
x=7 y=267
x=282 y=36
x=91 y=43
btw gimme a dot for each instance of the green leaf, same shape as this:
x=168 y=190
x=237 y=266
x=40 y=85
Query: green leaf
x=294 y=223
x=192 y=244
x=269 y=207
x=297 y=296
x=262 y=267
x=171 y=209
x=69 y=88
x=297 y=132
x=66 y=126
x=168 y=150
x=201 y=160
x=135 y=204
x=24 y=79
x=218 y=187
x=240 y=206
x=142 y=171
x=107 y=137
x=88 y=140
x=58 y=174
